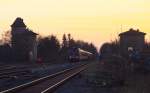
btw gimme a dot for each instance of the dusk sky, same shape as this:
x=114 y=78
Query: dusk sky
x=96 y=21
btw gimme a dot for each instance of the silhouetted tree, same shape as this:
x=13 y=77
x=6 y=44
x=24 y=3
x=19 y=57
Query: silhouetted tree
x=5 y=48
x=64 y=42
x=147 y=45
x=93 y=50
x=64 y=49
x=5 y=53
x=48 y=48
x=71 y=41
x=108 y=49
x=6 y=37
x=69 y=37
x=105 y=50
x=115 y=47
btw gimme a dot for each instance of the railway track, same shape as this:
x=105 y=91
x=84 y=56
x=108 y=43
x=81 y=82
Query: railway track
x=10 y=71
x=13 y=72
x=4 y=68
x=49 y=83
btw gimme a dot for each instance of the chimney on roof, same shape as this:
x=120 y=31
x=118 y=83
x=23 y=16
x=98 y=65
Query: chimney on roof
x=131 y=29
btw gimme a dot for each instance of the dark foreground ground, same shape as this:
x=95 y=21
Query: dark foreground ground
x=135 y=83
x=138 y=83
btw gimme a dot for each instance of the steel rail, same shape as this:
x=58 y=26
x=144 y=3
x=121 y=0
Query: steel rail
x=36 y=82
x=58 y=84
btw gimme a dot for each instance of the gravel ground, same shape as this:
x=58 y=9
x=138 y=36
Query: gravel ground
x=79 y=84
x=136 y=83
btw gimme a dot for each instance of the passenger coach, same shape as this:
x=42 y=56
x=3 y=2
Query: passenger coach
x=78 y=54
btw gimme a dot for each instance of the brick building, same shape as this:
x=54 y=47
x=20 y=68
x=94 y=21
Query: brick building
x=23 y=41
x=132 y=39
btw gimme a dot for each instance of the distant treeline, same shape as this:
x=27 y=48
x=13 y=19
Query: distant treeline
x=113 y=48
x=49 y=48
x=147 y=46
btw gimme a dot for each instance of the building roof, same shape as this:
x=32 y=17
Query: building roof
x=30 y=33
x=18 y=23
x=132 y=32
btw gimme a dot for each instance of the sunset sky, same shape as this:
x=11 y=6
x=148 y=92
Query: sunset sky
x=96 y=21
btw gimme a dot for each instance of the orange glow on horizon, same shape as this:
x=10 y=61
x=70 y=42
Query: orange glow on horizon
x=96 y=21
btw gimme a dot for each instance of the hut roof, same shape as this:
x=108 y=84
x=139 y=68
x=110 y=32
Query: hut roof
x=132 y=32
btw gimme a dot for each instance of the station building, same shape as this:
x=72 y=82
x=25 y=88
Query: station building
x=132 y=39
x=23 y=41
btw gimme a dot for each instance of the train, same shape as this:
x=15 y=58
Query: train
x=78 y=54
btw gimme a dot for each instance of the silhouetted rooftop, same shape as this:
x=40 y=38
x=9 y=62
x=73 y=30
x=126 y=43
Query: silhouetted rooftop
x=18 y=23
x=132 y=32
x=29 y=32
